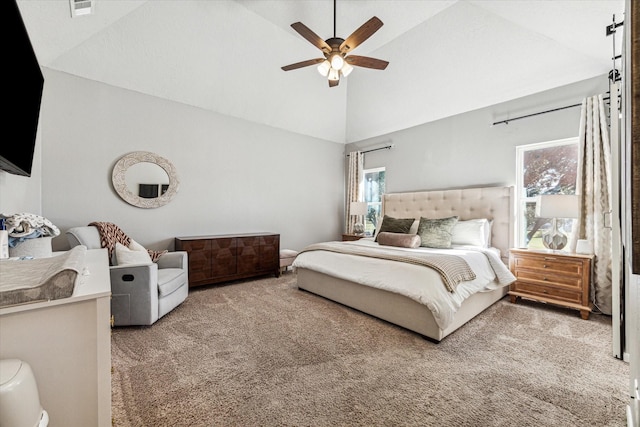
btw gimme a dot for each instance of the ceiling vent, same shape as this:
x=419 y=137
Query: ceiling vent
x=81 y=7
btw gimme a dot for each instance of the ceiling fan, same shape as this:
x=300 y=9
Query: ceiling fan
x=336 y=63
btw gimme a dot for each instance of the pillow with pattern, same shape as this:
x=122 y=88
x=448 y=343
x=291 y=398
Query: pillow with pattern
x=394 y=225
x=436 y=233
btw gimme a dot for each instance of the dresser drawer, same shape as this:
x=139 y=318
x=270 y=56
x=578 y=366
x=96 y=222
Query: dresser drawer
x=571 y=282
x=551 y=264
x=546 y=291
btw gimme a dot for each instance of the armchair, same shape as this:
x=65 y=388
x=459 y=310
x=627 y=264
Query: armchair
x=140 y=294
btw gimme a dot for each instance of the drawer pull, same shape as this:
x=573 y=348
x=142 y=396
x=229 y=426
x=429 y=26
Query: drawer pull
x=544 y=266
x=544 y=278
x=544 y=291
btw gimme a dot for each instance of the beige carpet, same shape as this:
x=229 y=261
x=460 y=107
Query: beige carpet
x=263 y=353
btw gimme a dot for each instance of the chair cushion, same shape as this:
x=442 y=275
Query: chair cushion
x=170 y=279
x=87 y=236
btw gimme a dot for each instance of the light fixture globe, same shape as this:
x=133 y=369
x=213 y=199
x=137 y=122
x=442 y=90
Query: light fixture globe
x=334 y=74
x=346 y=69
x=324 y=67
x=337 y=62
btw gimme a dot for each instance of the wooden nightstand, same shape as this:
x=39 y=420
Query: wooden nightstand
x=553 y=277
x=351 y=237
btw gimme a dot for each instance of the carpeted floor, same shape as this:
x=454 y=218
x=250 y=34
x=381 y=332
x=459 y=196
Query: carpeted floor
x=263 y=353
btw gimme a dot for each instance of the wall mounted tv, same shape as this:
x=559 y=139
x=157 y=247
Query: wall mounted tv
x=23 y=73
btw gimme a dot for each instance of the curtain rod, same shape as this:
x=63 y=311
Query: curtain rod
x=506 y=122
x=386 y=147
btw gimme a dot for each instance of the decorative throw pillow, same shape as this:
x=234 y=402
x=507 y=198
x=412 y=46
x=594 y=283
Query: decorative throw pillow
x=471 y=232
x=126 y=256
x=436 y=233
x=394 y=225
x=399 y=239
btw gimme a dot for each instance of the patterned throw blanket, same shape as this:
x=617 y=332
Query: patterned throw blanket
x=452 y=268
x=110 y=234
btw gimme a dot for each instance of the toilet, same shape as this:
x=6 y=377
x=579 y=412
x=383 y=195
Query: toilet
x=19 y=400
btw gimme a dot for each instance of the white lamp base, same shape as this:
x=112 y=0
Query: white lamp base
x=358 y=228
x=555 y=239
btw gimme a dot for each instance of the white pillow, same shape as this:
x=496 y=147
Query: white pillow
x=129 y=255
x=473 y=232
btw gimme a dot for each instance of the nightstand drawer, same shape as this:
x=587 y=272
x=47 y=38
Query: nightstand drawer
x=548 y=292
x=551 y=264
x=573 y=282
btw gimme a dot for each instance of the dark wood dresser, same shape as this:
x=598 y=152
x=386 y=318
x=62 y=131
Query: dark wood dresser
x=553 y=277
x=222 y=258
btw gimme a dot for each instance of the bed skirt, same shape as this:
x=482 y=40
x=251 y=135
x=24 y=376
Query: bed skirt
x=394 y=308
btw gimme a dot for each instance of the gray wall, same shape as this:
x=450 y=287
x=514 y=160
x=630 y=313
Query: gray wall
x=235 y=176
x=466 y=150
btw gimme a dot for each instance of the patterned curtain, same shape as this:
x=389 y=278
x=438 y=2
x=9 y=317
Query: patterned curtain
x=594 y=186
x=354 y=186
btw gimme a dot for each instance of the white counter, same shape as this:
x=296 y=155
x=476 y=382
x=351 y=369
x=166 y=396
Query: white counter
x=67 y=343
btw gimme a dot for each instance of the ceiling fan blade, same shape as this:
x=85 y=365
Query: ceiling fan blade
x=333 y=83
x=302 y=64
x=312 y=37
x=365 y=31
x=365 y=61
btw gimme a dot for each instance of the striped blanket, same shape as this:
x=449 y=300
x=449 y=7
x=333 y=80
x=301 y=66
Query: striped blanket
x=110 y=234
x=452 y=268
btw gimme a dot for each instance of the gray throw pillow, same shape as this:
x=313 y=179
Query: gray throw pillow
x=436 y=233
x=394 y=225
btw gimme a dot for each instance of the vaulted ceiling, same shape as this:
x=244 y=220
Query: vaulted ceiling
x=446 y=57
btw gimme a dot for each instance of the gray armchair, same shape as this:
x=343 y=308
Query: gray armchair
x=140 y=294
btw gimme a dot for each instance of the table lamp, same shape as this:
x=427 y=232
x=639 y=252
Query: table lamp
x=556 y=206
x=358 y=209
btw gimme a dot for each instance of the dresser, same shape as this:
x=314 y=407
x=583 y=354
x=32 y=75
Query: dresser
x=222 y=258
x=554 y=277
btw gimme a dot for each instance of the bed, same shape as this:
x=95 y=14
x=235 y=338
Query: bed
x=377 y=286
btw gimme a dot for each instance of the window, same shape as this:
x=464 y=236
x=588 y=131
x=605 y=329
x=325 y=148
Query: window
x=544 y=168
x=374 y=187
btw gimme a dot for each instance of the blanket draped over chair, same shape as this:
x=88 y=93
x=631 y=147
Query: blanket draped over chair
x=110 y=234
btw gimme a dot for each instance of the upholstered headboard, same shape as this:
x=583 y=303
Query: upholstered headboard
x=494 y=203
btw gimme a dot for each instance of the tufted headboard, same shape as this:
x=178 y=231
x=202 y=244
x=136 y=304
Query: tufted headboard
x=494 y=203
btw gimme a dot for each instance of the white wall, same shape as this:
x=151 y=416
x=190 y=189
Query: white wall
x=466 y=150
x=235 y=176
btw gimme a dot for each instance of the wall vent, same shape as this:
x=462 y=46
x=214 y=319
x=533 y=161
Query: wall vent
x=81 y=7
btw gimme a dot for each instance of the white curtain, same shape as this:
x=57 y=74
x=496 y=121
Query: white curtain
x=594 y=187
x=354 y=186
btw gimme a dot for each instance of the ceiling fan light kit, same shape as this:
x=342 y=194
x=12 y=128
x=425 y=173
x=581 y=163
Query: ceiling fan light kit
x=336 y=63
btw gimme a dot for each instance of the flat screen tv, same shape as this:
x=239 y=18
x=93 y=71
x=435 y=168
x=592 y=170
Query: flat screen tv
x=23 y=74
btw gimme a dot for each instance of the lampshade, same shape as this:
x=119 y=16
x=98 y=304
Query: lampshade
x=358 y=208
x=337 y=61
x=324 y=67
x=334 y=74
x=557 y=206
x=346 y=69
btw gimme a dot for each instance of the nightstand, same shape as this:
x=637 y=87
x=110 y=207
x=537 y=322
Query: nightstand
x=554 y=277
x=352 y=237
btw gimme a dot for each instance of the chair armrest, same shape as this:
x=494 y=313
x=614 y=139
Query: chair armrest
x=176 y=259
x=134 y=290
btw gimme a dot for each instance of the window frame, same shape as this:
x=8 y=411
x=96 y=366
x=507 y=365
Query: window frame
x=522 y=199
x=364 y=174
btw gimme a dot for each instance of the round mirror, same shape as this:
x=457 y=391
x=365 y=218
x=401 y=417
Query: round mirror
x=145 y=179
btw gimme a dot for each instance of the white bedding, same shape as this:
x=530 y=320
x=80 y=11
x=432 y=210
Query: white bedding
x=419 y=283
